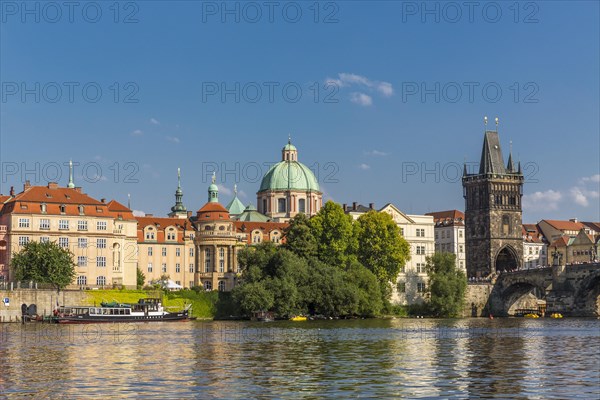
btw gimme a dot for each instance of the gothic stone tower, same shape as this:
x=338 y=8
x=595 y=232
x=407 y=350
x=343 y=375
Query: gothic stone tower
x=493 y=217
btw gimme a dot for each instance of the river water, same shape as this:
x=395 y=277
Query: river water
x=399 y=358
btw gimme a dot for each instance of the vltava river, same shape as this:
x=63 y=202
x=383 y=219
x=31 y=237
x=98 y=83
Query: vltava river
x=401 y=358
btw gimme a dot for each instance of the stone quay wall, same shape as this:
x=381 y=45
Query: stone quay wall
x=45 y=300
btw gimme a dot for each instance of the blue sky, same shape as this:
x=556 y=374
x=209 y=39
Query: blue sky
x=391 y=102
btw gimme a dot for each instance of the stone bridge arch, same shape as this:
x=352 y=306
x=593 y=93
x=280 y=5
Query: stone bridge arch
x=588 y=295
x=506 y=259
x=522 y=294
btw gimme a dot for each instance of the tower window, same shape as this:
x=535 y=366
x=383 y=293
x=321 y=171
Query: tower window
x=264 y=206
x=505 y=225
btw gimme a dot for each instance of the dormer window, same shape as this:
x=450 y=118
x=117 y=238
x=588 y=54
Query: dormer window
x=63 y=209
x=81 y=210
x=43 y=208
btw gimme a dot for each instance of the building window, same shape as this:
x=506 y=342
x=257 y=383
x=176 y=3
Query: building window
x=436 y=234
x=44 y=223
x=164 y=267
x=178 y=252
x=82 y=243
x=461 y=249
x=150 y=267
x=82 y=261
x=420 y=250
x=63 y=242
x=81 y=210
x=101 y=261
x=505 y=225
x=164 y=251
x=44 y=239
x=460 y=233
x=63 y=224
x=264 y=204
x=191 y=252
x=401 y=287
x=150 y=234
x=221 y=260
x=150 y=251
x=63 y=209
x=191 y=268
x=281 y=205
x=207 y=260
x=171 y=235
x=191 y=284
x=43 y=208
x=420 y=268
x=302 y=205
x=101 y=243
x=178 y=283
x=461 y=264
x=81 y=280
x=23 y=240
x=82 y=225
x=177 y=268
x=23 y=222
x=221 y=286
x=208 y=285
x=402 y=231
x=420 y=287
x=420 y=232
x=101 y=281
x=101 y=225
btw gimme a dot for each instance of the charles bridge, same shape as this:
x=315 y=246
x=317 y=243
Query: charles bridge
x=572 y=290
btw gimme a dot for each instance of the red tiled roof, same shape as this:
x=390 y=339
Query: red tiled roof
x=564 y=225
x=562 y=241
x=531 y=233
x=29 y=202
x=213 y=206
x=449 y=217
x=161 y=223
x=118 y=210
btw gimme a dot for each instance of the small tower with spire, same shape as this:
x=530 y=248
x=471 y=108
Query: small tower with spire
x=71 y=184
x=289 y=151
x=213 y=190
x=178 y=210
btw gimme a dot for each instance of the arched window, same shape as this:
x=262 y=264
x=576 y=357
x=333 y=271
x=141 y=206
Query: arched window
x=221 y=286
x=302 y=205
x=63 y=209
x=43 y=207
x=81 y=210
x=207 y=285
x=264 y=206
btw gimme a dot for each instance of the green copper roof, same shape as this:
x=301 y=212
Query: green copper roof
x=235 y=206
x=291 y=175
x=251 y=215
x=289 y=146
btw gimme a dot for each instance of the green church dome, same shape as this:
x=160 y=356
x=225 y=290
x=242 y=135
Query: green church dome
x=291 y=175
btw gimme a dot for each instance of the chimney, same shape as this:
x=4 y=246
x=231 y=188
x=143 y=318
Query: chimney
x=149 y=215
x=573 y=220
x=354 y=205
x=102 y=200
x=12 y=191
x=52 y=185
x=27 y=185
x=372 y=206
x=344 y=206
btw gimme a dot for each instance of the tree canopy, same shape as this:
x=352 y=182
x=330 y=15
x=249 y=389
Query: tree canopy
x=44 y=263
x=335 y=234
x=447 y=285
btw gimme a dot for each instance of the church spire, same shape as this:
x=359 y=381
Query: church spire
x=178 y=209
x=71 y=184
x=510 y=167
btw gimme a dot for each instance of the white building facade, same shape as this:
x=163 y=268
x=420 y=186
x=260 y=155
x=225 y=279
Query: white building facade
x=450 y=235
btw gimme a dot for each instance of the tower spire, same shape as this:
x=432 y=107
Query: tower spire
x=71 y=184
x=510 y=167
x=129 y=201
x=178 y=210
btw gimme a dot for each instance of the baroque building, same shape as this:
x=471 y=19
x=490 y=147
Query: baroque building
x=289 y=188
x=493 y=213
x=101 y=235
x=450 y=234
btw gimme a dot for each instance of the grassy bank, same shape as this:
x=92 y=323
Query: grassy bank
x=204 y=304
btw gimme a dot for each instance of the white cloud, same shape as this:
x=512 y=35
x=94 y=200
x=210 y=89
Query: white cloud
x=154 y=121
x=137 y=132
x=542 y=201
x=138 y=213
x=592 y=179
x=173 y=139
x=361 y=99
x=376 y=153
x=364 y=167
x=348 y=80
x=582 y=196
x=224 y=190
x=243 y=194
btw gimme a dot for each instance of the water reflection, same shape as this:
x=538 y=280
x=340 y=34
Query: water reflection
x=503 y=358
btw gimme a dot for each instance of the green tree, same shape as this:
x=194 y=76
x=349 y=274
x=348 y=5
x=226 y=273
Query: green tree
x=381 y=247
x=44 y=263
x=369 y=294
x=141 y=278
x=299 y=237
x=447 y=285
x=252 y=297
x=335 y=234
